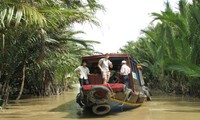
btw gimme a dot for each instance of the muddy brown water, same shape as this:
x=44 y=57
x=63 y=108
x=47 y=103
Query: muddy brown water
x=64 y=107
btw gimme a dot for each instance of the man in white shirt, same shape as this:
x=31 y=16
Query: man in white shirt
x=125 y=71
x=104 y=64
x=83 y=73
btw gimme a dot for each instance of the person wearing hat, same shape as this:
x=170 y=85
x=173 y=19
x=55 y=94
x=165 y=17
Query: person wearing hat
x=125 y=71
x=104 y=64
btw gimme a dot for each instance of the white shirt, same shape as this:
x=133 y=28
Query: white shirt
x=84 y=71
x=104 y=64
x=125 y=70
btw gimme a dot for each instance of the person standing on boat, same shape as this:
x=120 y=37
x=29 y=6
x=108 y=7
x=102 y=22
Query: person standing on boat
x=125 y=71
x=104 y=64
x=83 y=73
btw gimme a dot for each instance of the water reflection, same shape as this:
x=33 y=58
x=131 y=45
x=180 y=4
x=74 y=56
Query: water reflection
x=64 y=108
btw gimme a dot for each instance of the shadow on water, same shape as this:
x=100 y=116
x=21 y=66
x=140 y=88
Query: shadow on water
x=73 y=111
x=178 y=101
x=184 y=111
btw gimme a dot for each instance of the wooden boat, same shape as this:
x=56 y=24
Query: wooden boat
x=101 y=97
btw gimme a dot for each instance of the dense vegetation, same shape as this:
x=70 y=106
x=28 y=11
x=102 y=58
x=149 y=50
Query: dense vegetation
x=170 y=49
x=38 y=50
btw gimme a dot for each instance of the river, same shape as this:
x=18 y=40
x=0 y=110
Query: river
x=64 y=107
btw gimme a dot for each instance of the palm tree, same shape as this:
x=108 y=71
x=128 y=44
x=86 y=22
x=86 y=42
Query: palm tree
x=169 y=49
x=37 y=42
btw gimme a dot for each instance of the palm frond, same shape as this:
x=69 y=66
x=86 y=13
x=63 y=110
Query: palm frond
x=187 y=69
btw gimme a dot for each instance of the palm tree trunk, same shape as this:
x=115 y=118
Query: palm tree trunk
x=23 y=80
x=6 y=97
x=6 y=88
x=42 y=47
x=2 y=62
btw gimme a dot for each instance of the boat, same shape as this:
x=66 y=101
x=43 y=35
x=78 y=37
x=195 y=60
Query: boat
x=100 y=98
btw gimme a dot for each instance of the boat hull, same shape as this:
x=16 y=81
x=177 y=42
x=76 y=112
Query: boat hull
x=102 y=105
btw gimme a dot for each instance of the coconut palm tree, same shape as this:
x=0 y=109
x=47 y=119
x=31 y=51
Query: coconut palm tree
x=169 y=49
x=37 y=42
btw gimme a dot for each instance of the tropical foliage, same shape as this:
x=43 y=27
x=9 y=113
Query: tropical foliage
x=38 y=50
x=169 y=49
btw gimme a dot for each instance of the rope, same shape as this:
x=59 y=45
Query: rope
x=110 y=88
x=127 y=93
x=127 y=103
x=123 y=102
